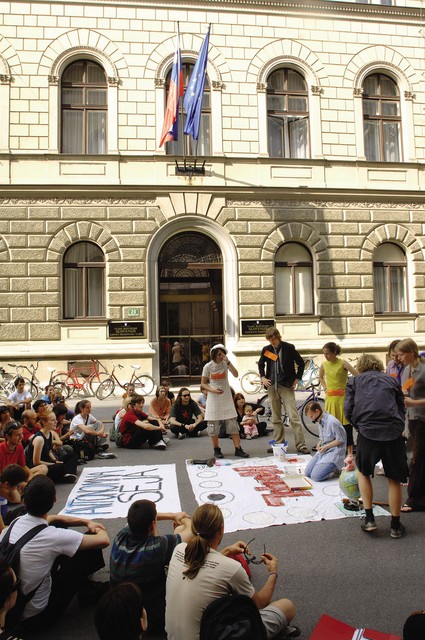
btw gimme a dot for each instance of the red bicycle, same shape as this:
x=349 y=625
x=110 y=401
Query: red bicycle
x=85 y=380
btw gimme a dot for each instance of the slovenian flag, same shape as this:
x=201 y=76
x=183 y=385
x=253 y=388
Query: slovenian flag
x=170 y=129
x=195 y=91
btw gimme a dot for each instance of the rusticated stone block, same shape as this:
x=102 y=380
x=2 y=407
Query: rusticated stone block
x=13 y=332
x=45 y=331
x=361 y=325
x=36 y=314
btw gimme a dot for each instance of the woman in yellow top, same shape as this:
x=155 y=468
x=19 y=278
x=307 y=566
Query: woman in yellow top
x=333 y=377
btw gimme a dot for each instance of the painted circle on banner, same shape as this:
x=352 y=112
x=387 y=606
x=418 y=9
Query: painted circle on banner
x=218 y=497
x=259 y=517
x=332 y=490
x=210 y=484
x=207 y=474
x=226 y=512
x=301 y=513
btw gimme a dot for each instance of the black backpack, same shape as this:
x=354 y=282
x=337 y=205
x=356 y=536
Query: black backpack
x=10 y=552
x=232 y=618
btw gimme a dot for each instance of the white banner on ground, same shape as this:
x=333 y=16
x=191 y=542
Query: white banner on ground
x=107 y=492
x=252 y=494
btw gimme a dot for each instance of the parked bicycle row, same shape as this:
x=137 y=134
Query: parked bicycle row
x=91 y=380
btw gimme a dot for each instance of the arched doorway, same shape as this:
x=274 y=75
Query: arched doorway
x=190 y=269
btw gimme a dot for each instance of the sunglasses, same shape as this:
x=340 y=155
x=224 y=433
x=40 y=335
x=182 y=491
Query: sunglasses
x=249 y=557
x=185 y=395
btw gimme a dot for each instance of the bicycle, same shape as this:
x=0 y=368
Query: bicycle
x=308 y=424
x=7 y=384
x=144 y=384
x=251 y=381
x=68 y=383
x=35 y=386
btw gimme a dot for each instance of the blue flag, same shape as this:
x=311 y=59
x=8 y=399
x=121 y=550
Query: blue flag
x=195 y=91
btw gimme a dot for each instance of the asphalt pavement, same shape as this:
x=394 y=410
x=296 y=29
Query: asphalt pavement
x=333 y=567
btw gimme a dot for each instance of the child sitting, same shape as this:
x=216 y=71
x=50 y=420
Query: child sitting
x=249 y=422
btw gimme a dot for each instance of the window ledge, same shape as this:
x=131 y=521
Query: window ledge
x=303 y=318
x=396 y=315
x=84 y=322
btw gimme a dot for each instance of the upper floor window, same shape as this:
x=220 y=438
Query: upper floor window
x=186 y=144
x=84 y=91
x=389 y=279
x=83 y=281
x=287 y=114
x=294 y=280
x=381 y=119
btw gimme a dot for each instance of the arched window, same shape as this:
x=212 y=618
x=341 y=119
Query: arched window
x=287 y=115
x=186 y=144
x=84 y=281
x=390 y=279
x=381 y=119
x=84 y=101
x=294 y=280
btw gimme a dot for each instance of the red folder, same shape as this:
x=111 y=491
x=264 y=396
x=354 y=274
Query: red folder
x=329 y=628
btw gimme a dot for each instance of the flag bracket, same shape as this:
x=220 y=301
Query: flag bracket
x=190 y=168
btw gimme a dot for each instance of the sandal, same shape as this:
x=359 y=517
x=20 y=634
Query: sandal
x=406 y=508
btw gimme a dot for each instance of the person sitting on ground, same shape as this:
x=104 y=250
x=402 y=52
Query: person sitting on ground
x=9 y=584
x=120 y=614
x=20 y=399
x=249 y=422
x=5 y=419
x=12 y=451
x=329 y=459
x=240 y=402
x=85 y=426
x=186 y=418
x=130 y=391
x=138 y=428
x=81 y=556
x=60 y=400
x=202 y=401
x=49 y=394
x=62 y=424
x=414 y=627
x=170 y=395
x=40 y=406
x=198 y=574
x=30 y=425
x=160 y=406
x=140 y=555
x=13 y=480
x=40 y=450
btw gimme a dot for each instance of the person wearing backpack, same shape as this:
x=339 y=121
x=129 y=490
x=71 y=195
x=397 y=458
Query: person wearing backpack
x=53 y=584
x=198 y=574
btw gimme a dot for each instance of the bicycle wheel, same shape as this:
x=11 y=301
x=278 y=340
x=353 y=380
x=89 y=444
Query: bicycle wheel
x=32 y=388
x=311 y=427
x=144 y=384
x=251 y=382
x=105 y=389
x=64 y=384
x=96 y=380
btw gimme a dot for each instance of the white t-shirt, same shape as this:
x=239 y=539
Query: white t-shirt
x=38 y=556
x=219 y=406
x=187 y=599
x=76 y=431
x=16 y=397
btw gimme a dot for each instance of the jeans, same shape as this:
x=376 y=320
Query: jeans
x=319 y=471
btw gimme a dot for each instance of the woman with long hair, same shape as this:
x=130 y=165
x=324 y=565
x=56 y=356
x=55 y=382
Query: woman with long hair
x=160 y=406
x=414 y=389
x=40 y=451
x=333 y=376
x=186 y=417
x=258 y=410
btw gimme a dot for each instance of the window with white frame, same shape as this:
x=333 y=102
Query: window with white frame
x=83 y=281
x=287 y=115
x=186 y=145
x=84 y=107
x=294 y=280
x=381 y=119
x=390 y=279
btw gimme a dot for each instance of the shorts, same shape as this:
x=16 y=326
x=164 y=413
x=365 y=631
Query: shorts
x=274 y=620
x=391 y=452
x=230 y=424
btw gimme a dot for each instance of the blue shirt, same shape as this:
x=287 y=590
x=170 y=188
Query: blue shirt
x=331 y=429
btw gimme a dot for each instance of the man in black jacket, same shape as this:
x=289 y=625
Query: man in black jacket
x=281 y=367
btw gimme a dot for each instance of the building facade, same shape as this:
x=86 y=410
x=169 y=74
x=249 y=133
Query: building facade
x=309 y=214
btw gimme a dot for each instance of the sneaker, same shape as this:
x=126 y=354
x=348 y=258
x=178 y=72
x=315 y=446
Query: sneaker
x=292 y=632
x=104 y=455
x=397 y=533
x=182 y=436
x=248 y=437
x=198 y=434
x=102 y=447
x=369 y=526
x=218 y=453
x=91 y=592
x=70 y=478
x=166 y=440
x=82 y=461
x=269 y=450
x=160 y=445
x=240 y=453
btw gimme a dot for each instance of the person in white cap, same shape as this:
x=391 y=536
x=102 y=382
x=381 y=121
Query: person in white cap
x=220 y=406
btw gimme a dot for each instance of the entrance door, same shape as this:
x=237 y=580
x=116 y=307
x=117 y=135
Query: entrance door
x=190 y=305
